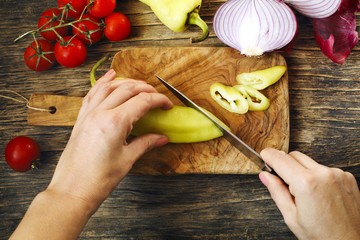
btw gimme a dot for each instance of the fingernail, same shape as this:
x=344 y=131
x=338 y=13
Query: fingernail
x=161 y=141
x=263 y=178
x=111 y=71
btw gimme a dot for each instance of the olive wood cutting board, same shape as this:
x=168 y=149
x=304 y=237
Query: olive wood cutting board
x=192 y=70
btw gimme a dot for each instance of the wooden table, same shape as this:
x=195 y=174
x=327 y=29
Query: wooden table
x=324 y=123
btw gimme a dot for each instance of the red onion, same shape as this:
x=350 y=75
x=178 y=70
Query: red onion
x=255 y=26
x=315 y=8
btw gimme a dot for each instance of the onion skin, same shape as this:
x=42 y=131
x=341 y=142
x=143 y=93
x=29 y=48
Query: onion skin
x=255 y=26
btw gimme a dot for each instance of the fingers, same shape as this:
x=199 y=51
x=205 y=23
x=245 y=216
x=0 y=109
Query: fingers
x=125 y=90
x=142 y=144
x=304 y=160
x=284 y=165
x=140 y=104
x=281 y=195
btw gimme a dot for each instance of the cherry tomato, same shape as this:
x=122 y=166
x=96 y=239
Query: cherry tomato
x=52 y=18
x=117 y=27
x=74 y=7
x=39 y=55
x=21 y=152
x=101 y=8
x=71 y=53
x=89 y=31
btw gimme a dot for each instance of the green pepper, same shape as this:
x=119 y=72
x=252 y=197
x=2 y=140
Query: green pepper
x=256 y=100
x=263 y=78
x=229 y=98
x=180 y=124
x=179 y=14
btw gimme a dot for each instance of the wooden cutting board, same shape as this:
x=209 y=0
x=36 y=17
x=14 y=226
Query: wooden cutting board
x=192 y=70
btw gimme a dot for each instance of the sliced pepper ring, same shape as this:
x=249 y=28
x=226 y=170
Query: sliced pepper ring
x=229 y=98
x=256 y=100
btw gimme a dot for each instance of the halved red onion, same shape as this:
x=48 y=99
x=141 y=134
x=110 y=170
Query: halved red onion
x=315 y=8
x=255 y=26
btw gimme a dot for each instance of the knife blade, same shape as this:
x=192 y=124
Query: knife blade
x=227 y=134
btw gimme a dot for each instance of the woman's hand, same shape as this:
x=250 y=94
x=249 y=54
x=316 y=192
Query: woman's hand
x=320 y=202
x=95 y=159
x=98 y=155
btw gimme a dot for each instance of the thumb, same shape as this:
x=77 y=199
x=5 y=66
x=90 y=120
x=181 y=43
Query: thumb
x=281 y=196
x=144 y=143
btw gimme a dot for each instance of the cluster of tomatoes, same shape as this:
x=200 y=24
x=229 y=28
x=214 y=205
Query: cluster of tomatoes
x=68 y=29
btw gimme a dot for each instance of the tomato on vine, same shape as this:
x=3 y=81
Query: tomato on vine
x=70 y=52
x=39 y=55
x=117 y=27
x=51 y=18
x=72 y=8
x=101 y=8
x=21 y=153
x=90 y=30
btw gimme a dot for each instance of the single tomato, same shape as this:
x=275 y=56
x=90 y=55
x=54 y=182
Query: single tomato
x=51 y=18
x=117 y=27
x=70 y=53
x=21 y=152
x=90 y=30
x=101 y=8
x=74 y=8
x=39 y=55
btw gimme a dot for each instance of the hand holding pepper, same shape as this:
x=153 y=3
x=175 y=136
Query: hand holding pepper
x=95 y=159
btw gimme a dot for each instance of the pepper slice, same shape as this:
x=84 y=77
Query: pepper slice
x=256 y=100
x=178 y=15
x=180 y=124
x=229 y=98
x=263 y=78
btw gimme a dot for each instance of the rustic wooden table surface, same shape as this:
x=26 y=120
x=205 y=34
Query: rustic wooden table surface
x=324 y=123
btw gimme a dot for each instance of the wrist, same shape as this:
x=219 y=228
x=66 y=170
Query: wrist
x=54 y=215
x=68 y=201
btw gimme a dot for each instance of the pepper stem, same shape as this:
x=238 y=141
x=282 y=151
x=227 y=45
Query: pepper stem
x=95 y=67
x=194 y=19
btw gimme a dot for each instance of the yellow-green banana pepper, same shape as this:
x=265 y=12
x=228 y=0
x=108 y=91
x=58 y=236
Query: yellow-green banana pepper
x=261 y=79
x=179 y=14
x=229 y=98
x=180 y=124
x=256 y=100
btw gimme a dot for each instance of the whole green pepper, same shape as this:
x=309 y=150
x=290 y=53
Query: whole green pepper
x=229 y=98
x=180 y=124
x=256 y=100
x=179 y=14
x=261 y=79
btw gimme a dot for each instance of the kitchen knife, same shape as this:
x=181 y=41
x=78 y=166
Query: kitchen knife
x=227 y=134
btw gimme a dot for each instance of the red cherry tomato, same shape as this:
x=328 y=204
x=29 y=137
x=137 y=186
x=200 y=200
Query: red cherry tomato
x=101 y=8
x=90 y=30
x=117 y=27
x=75 y=7
x=39 y=55
x=52 y=18
x=71 y=53
x=21 y=152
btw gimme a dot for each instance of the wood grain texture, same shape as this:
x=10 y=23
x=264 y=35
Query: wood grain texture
x=63 y=110
x=324 y=103
x=192 y=70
